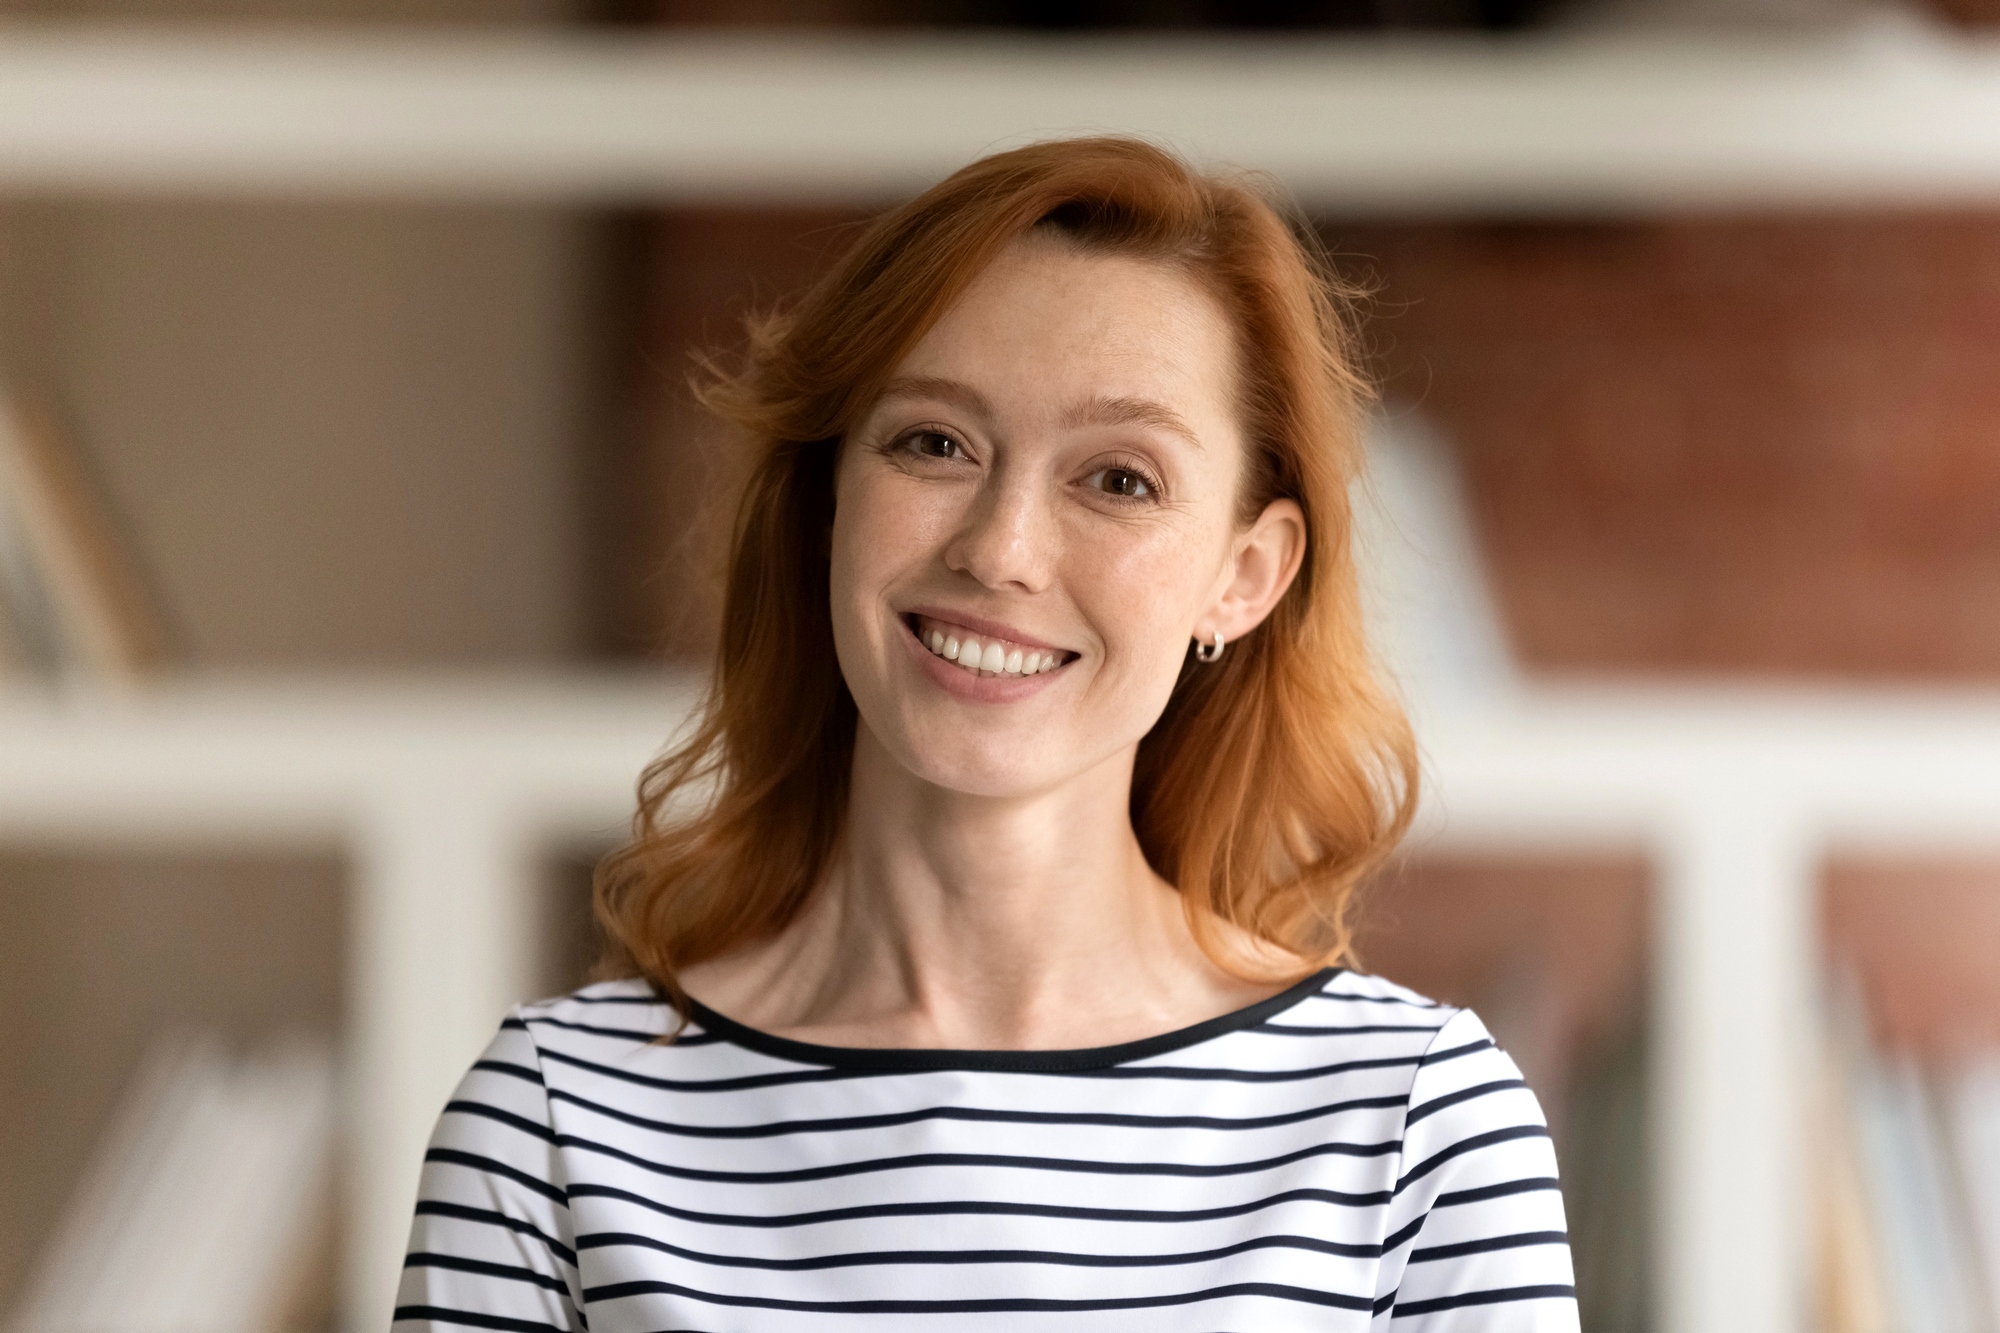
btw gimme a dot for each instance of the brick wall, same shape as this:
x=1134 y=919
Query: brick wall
x=1719 y=445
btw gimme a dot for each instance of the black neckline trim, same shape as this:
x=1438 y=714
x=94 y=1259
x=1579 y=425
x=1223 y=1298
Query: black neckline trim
x=1044 y=1062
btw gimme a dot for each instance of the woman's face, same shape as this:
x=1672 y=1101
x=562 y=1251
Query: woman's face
x=1038 y=514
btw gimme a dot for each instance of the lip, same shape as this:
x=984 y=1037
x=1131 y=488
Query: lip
x=992 y=629
x=962 y=684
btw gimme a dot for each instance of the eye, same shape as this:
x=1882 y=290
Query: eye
x=1123 y=483
x=933 y=444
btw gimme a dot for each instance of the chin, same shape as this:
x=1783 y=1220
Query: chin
x=963 y=764
x=970 y=777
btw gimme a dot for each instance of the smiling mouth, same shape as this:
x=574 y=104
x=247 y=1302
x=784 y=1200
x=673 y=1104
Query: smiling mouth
x=983 y=654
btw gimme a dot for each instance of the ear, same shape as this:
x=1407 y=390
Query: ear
x=1265 y=558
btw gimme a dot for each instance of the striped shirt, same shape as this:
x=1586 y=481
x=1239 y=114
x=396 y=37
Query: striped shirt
x=1345 y=1155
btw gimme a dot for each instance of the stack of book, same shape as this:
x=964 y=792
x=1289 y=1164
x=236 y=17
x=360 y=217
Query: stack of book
x=206 y=1207
x=1908 y=1158
x=71 y=603
x=1593 y=1090
x=1606 y=1177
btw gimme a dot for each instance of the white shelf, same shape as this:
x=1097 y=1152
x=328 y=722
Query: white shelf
x=1605 y=123
x=443 y=790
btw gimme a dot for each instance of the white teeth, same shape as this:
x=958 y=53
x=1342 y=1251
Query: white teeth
x=990 y=657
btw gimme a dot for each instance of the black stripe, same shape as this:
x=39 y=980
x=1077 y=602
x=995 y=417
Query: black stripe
x=639 y=1035
x=1482 y=1193
x=487 y=1217
x=920 y=1161
x=493 y=1168
x=1096 y=1059
x=1378 y=999
x=1396 y=1241
x=879 y=1258
x=841 y=1124
x=1473 y=1144
x=1002 y=1305
x=1499 y=1296
x=1519 y=1240
x=1291 y=1030
x=506 y=1272
x=738 y=1084
x=1436 y=1104
x=473 y=1319
x=521 y=1072
x=984 y=1208
x=1452 y=1053
x=1196 y=1074
x=522 y=1123
x=511 y=1023
x=830 y=1074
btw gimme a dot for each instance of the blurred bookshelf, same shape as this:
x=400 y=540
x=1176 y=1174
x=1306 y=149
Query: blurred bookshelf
x=1554 y=953
x=374 y=340
x=1907 y=1149
x=1878 y=108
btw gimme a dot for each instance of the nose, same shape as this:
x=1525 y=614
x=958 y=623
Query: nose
x=1007 y=537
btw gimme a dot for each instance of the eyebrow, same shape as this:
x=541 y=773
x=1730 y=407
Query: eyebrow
x=1131 y=412
x=956 y=392
x=1099 y=411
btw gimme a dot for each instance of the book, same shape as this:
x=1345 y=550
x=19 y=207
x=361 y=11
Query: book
x=1910 y=1189
x=203 y=1210
x=69 y=588
x=1606 y=1182
x=1970 y=1094
x=1851 y=1291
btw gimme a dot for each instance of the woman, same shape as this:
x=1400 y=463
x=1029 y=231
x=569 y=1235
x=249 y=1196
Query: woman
x=983 y=937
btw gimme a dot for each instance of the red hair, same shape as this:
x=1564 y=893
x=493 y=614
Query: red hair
x=1273 y=781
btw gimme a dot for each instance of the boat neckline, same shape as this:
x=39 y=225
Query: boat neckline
x=1024 y=1061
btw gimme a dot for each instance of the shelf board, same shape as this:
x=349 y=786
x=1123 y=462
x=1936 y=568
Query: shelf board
x=1558 y=765
x=1604 y=123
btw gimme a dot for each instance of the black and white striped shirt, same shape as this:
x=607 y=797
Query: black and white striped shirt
x=1345 y=1155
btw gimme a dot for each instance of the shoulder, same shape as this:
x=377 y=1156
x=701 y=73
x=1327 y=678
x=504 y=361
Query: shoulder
x=500 y=1121
x=628 y=1009
x=1378 y=995
x=1475 y=1221
x=1465 y=1099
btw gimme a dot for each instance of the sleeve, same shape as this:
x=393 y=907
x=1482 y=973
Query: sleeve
x=492 y=1246
x=1476 y=1237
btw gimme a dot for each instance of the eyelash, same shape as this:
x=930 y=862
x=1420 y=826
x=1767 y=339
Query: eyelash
x=1133 y=466
x=906 y=443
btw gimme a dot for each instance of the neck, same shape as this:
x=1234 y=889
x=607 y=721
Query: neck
x=971 y=922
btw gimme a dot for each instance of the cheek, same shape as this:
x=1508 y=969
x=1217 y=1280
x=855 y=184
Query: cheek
x=1144 y=592
x=880 y=530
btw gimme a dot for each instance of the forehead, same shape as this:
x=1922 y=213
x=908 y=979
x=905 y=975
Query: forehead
x=1050 y=321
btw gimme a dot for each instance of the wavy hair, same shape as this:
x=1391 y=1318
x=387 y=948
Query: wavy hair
x=1272 y=782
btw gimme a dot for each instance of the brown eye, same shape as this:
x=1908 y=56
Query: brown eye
x=1123 y=483
x=933 y=444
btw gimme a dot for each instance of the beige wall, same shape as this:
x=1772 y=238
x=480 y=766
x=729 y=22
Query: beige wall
x=337 y=434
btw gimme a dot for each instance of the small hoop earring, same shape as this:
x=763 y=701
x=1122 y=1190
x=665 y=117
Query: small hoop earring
x=1209 y=653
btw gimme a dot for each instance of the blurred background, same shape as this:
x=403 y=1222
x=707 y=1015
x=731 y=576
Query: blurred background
x=344 y=349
